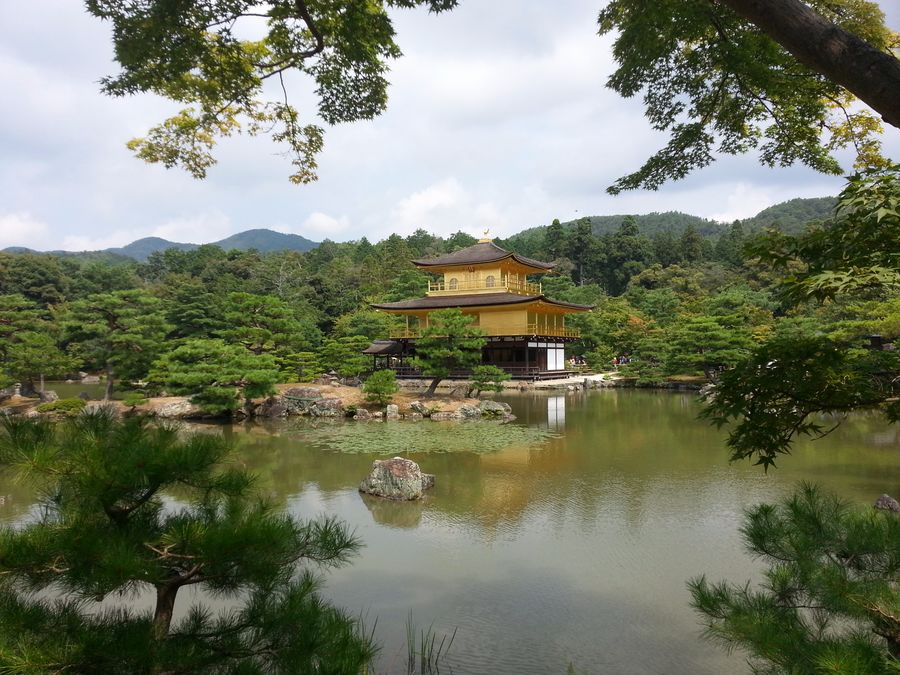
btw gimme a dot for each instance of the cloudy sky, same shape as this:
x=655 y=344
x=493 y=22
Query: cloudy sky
x=498 y=118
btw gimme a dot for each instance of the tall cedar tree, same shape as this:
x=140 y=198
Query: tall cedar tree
x=449 y=342
x=129 y=509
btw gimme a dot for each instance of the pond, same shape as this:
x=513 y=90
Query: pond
x=564 y=538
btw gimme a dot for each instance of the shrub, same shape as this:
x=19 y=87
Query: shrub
x=488 y=378
x=66 y=406
x=381 y=386
x=133 y=398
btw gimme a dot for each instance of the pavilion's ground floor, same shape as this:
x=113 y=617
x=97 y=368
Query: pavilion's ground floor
x=523 y=357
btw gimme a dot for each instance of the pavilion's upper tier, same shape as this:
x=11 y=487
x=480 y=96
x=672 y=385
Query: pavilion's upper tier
x=481 y=254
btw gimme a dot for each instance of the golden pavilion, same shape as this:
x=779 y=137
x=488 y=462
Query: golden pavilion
x=526 y=331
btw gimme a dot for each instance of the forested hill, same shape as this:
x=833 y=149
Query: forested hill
x=791 y=217
x=261 y=240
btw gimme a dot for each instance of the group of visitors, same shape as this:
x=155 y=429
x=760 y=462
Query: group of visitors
x=621 y=361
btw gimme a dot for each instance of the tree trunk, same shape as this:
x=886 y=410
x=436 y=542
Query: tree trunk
x=165 y=607
x=432 y=387
x=872 y=75
x=109 y=381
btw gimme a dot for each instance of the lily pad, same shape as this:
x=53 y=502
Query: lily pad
x=394 y=438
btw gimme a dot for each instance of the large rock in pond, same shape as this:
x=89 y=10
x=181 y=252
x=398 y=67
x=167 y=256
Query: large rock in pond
x=392 y=412
x=326 y=407
x=445 y=416
x=396 y=478
x=303 y=392
x=468 y=411
x=887 y=503
x=183 y=409
x=274 y=406
x=421 y=408
x=490 y=408
x=48 y=396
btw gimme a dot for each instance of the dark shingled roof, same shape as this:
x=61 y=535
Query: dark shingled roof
x=474 y=300
x=482 y=252
x=383 y=347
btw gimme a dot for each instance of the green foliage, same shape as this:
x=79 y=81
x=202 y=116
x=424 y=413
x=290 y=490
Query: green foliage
x=709 y=344
x=368 y=323
x=107 y=527
x=719 y=84
x=829 y=602
x=216 y=375
x=800 y=374
x=856 y=252
x=449 y=342
x=302 y=367
x=27 y=346
x=134 y=398
x=488 y=378
x=198 y=56
x=44 y=280
x=600 y=358
x=66 y=406
x=264 y=324
x=344 y=355
x=780 y=390
x=34 y=354
x=381 y=386
x=122 y=331
x=612 y=326
x=18 y=314
x=407 y=285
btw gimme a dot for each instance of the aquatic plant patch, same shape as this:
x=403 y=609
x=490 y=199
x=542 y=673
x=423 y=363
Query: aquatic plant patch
x=399 y=437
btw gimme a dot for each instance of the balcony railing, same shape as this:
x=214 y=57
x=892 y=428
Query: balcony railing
x=554 y=331
x=506 y=285
x=532 y=329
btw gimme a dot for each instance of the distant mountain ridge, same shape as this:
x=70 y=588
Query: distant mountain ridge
x=791 y=217
x=262 y=240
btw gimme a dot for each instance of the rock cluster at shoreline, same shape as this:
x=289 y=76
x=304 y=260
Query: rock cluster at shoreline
x=307 y=401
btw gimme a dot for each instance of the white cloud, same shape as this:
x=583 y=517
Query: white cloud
x=498 y=118
x=433 y=208
x=197 y=229
x=22 y=229
x=321 y=225
x=743 y=201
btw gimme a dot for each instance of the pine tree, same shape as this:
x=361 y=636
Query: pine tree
x=344 y=355
x=829 y=603
x=707 y=343
x=381 y=386
x=216 y=375
x=122 y=330
x=488 y=378
x=449 y=342
x=130 y=508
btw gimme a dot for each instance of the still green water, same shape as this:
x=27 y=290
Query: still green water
x=566 y=537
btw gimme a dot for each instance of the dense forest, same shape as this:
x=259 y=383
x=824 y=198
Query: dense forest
x=685 y=299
